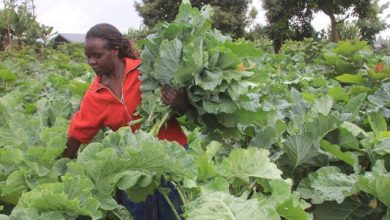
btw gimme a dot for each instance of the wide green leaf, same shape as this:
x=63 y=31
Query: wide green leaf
x=353 y=129
x=73 y=196
x=193 y=62
x=245 y=117
x=208 y=80
x=286 y=203
x=291 y=211
x=224 y=105
x=338 y=62
x=382 y=147
x=227 y=60
x=336 y=211
x=339 y=94
x=31 y=213
x=383 y=189
x=322 y=125
x=381 y=97
x=246 y=163
x=347 y=48
x=377 y=183
x=264 y=138
x=354 y=105
x=132 y=162
x=328 y=184
x=344 y=138
x=300 y=149
x=377 y=122
x=351 y=78
x=323 y=105
x=168 y=61
x=348 y=157
x=210 y=206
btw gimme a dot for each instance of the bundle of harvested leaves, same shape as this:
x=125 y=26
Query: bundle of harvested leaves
x=214 y=70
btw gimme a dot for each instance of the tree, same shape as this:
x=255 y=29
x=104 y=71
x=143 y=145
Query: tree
x=369 y=22
x=347 y=31
x=257 y=32
x=154 y=11
x=366 y=11
x=230 y=16
x=5 y=26
x=288 y=19
x=299 y=13
x=18 y=25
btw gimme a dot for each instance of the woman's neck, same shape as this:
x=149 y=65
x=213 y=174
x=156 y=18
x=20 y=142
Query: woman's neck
x=117 y=72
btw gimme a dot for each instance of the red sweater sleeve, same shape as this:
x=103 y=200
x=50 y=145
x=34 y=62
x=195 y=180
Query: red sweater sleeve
x=86 y=122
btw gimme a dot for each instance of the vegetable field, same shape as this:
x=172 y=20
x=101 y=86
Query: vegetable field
x=302 y=134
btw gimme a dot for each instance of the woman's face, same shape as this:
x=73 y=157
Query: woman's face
x=100 y=57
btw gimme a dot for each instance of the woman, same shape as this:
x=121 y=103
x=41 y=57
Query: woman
x=112 y=98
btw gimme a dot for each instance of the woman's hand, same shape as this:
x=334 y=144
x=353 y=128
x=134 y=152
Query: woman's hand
x=72 y=146
x=177 y=99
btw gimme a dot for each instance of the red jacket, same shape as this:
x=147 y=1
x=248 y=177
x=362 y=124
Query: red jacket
x=101 y=108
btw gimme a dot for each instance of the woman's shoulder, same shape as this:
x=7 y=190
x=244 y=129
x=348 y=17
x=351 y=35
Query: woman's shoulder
x=92 y=92
x=132 y=64
x=93 y=87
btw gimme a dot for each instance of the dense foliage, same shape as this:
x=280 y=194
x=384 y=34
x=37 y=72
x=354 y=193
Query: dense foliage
x=293 y=22
x=230 y=17
x=316 y=147
x=19 y=27
x=214 y=71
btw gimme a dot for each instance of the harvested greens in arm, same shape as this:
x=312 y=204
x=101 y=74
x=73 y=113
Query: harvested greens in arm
x=214 y=70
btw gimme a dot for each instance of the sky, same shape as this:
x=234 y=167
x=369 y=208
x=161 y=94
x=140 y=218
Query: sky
x=77 y=16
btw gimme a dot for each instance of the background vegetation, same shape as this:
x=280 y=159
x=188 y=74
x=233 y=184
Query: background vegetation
x=309 y=139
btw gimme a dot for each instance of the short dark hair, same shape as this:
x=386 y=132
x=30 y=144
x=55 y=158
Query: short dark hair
x=114 y=38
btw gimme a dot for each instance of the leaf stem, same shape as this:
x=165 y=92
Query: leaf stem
x=371 y=156
x=117 y=215
x=156 y=127
x=182 y=198
x=171 y=206
x=150 y=117
x=133 y=122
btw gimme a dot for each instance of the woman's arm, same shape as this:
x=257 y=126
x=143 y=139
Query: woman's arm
x=84 y=125
x=72 y=146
